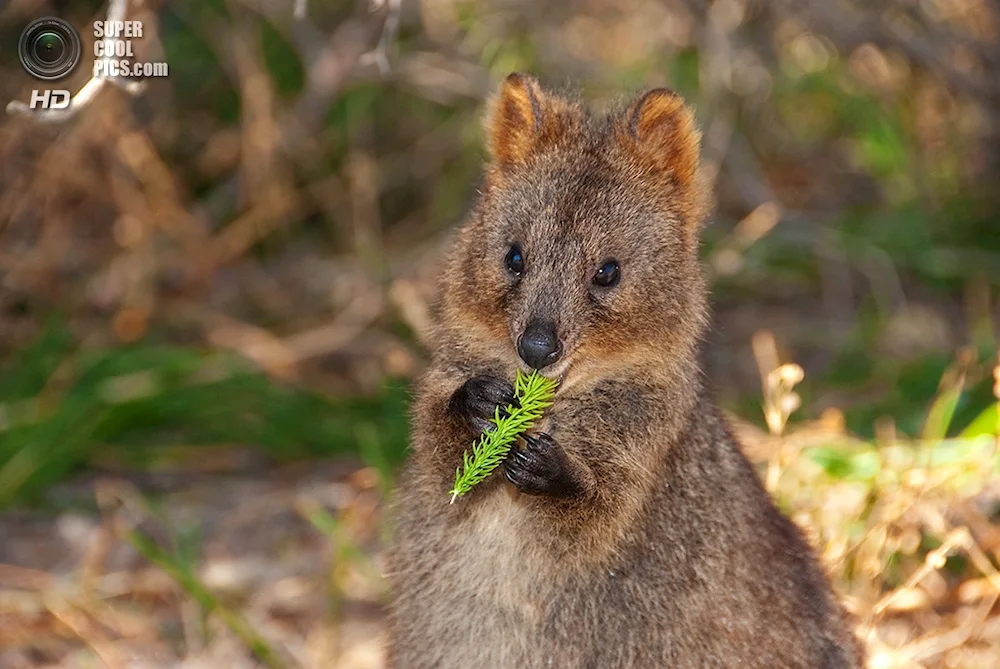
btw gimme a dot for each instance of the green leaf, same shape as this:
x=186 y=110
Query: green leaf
x=185 y=577
x=941 y=412
x=282 y=61
x=535 y=394
x=986 y=423
x=953 y=452
x=838 y=463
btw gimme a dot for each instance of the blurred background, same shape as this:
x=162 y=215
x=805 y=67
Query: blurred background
x=213 y=292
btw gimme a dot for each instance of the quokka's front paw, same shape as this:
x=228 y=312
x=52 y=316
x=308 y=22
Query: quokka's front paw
x=540 y=468
x=477 y=400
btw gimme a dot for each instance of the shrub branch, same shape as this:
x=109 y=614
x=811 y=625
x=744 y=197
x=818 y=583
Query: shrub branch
x=534 y=393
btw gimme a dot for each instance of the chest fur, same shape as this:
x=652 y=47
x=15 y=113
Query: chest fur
x=483 y=601
x=490 y=557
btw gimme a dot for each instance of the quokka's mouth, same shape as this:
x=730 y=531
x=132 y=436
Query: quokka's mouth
x=556 y=371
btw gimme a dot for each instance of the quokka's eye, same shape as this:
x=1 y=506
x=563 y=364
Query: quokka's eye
x=608 y=275
x=515 y=260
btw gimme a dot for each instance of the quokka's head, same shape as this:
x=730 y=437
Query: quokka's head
x=583 y=246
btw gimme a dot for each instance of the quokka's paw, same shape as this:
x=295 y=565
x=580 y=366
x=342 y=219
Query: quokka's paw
x=540 y=468
x=477 y=400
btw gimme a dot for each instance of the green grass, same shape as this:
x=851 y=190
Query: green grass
x=63 y=407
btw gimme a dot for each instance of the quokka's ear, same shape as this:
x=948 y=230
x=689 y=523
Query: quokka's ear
x=525 y=120
x=661 y=129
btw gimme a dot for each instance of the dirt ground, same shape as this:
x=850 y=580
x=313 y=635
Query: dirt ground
x=73 y=593
x=289 y=559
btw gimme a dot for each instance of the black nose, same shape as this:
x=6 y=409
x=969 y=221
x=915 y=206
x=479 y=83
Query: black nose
x=539 y=346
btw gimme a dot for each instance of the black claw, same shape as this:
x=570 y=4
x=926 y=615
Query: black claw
x=479 y=400
x=500 y=396
x=539 y=469
x=534 y=485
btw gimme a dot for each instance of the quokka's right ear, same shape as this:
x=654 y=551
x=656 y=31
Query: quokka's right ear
x=662 y=130
x=525 y=120
x=659 y=133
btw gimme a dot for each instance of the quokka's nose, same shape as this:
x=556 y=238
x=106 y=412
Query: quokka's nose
x=539 y=346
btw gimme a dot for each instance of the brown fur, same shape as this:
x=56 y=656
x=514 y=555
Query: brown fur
x=669 y=553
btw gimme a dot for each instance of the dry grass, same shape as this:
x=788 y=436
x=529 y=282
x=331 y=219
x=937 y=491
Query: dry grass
x=889 y=518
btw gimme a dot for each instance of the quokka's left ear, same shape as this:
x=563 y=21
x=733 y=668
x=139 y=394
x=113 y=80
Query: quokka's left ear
x=525 y=121
x=660 y=130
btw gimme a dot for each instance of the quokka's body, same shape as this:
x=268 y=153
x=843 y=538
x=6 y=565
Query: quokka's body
x=628 y=531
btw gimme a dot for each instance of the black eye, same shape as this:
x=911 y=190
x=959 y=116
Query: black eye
x=608 y=275
x=515 y=260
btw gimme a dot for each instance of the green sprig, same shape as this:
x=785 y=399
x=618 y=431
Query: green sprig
x=534 y=393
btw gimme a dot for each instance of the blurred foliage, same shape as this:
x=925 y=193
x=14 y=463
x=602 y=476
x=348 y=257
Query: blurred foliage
x=136 y=407
x=325 y=157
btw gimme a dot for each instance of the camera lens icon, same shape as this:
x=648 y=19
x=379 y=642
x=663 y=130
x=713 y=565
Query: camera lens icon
x=49 y=48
